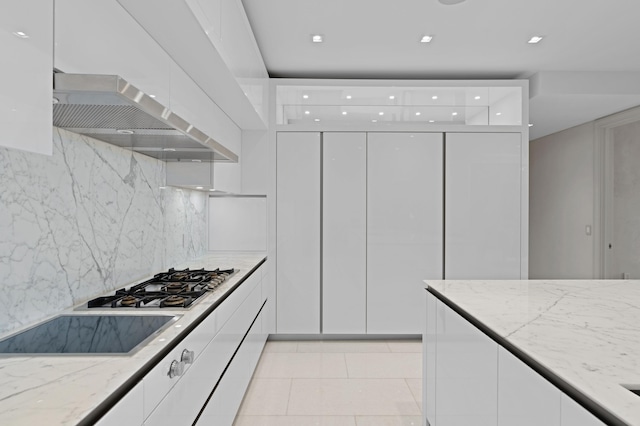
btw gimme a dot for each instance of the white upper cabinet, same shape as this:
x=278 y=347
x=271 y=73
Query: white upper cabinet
x=404 y=227
x=26 y=39
x=100 y=37
x=344 y=233
x=482 y=205
x=175 y=27
x=192 y=104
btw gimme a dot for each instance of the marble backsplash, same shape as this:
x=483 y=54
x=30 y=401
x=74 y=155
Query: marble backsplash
x=85 y=221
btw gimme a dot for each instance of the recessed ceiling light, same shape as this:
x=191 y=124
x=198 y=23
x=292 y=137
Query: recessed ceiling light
x=530 y=125
x=374 y=121
x=344 y=112
x=426 y=39
x=196 y=161
x=317 y=38
x=168 y=149
x=348 y=96
x=163 y=187
x=434 y=97
x=307 y=112
x=152 y=96
x=498 y=113
x=381 y=113
x=454 y=113
x=212 y=189
x=432 y=121
x=125 y=131
x=21 y=34
x=418 y=113
x=316 y=119
x=199 y=187
x=305 y=96
x=535 y=39
x=392 y=97
x=476 y=98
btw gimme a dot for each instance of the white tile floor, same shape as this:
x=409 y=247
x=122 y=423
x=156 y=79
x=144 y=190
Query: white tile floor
x=335 y=383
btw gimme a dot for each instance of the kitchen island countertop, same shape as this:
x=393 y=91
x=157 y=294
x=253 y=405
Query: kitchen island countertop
x=64 y=389
x=585 y=333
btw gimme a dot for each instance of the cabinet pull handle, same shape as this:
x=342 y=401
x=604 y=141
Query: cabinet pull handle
x=187 y=356
x=176 y=369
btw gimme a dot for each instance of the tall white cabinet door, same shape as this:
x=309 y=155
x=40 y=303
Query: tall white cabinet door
x=482 y=205
x=404 y=228
x=298 y=232
x=344 y=233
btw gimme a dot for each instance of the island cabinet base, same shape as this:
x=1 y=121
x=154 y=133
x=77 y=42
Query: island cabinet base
x=471 y=379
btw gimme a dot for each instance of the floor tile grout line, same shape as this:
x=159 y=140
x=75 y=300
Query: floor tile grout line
x=289 y=397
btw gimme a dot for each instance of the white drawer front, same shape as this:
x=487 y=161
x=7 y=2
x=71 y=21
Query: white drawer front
x=224 y=404
x=183 y=403
x=157 y=382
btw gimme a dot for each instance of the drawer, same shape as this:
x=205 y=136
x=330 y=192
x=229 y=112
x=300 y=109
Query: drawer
x=225 y=401
x=157 y=382
x=231 y=303
x=183 y=402
x=128 y=411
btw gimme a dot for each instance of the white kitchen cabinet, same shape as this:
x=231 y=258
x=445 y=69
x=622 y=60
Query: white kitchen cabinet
x=524 y=397
x=466 y=382
x=429 y=344
x=468 y=378
x=185 y=400
x=404 y=227
x=573 y=414
x=298 y=238
x=344 y=233
x=26 y=39
x=191 y=103
x=86 y=43
x=227 y=397
x=482 y=205
x=128 y=411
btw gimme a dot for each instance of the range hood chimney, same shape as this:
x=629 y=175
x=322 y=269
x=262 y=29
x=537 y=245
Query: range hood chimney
x=108 y=108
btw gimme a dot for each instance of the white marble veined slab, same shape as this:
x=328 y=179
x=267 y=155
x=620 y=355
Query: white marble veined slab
x=62 y=390
x=587 y=332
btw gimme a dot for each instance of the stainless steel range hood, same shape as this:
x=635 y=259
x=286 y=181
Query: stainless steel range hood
x=109 y=108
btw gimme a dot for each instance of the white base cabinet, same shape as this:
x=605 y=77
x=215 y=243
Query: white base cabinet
x=128 y=411
x=470 y=379
x=225 y=348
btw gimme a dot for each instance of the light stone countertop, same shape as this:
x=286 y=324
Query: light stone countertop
x=586 y=332
x=64 y=389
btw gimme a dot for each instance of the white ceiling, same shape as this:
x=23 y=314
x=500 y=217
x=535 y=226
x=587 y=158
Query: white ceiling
x=476 y=39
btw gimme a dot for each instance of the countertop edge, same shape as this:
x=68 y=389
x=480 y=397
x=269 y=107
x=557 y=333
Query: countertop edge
x=594 y=408
x=99 y=411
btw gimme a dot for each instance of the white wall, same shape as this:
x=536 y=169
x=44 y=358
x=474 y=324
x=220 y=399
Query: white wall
x=561 y=204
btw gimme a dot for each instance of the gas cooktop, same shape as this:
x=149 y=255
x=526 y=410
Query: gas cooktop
x=171 y=289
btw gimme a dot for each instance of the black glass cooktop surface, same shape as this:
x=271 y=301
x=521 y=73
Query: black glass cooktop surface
x=86 y=334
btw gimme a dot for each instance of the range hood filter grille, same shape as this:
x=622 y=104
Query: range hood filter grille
x=103 y=117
